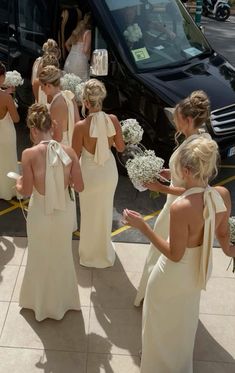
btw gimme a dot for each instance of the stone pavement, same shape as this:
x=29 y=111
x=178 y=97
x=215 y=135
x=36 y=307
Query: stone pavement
x=106 y=336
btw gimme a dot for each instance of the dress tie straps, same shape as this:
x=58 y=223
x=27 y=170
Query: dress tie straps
x=101 y=127
x=213 y=203
x=68 y=96
x=56 y=157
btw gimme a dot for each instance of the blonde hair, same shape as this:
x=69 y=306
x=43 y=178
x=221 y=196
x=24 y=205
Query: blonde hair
x=81 y=27
x=39 y=117
x=51 y=75
x=94 y=92
x=49 y=59
x=51 y=47
x=201 y=157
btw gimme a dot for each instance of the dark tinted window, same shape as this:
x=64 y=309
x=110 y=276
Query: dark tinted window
x=3 y=22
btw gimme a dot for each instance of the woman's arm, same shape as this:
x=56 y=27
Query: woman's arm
x=76 y=111
x=56 y=113
x=35 y=86
x=12 y=109
x=24 y=184
x=68 y=44
x=175 y=248
x=77 y=140
x=166 y=189
x=118 y=138
x=76 y=175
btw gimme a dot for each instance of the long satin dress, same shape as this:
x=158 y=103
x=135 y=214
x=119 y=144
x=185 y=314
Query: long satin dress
x=100 y=176
x=171 y=304
x=8 y=157
x=77 y=62
x=50 y=284
x=161 y=226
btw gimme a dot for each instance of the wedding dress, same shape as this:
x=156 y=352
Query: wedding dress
x=171 y=304
x=8 y=157
x=100 y=176
x=77 y=62
x=50 y=284
x=161 y=226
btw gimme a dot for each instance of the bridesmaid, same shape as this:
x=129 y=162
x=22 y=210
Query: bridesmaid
x=50 y=284
x=190 y=114
x=171 y=304
x=92 y=140
x=63 y=110
x=8 y=151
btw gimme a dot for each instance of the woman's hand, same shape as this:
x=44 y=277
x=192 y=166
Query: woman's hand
x=19 y=184
x=165 y=173
x=154 y=187
x=10 y=90
x=133 y=218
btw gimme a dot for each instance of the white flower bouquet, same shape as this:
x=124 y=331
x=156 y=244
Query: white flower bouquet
x=231 y=222
x=144 y=168
x=133 y=33
x=13 y=79
x=132 y=132
x=73 y=83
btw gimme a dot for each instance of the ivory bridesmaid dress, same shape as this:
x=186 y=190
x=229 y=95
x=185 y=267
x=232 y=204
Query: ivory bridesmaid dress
x=100 y=176
x=171 y=304
x=50 y=284
x=8 y=157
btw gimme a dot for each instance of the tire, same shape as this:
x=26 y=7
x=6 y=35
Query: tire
x=222 y=14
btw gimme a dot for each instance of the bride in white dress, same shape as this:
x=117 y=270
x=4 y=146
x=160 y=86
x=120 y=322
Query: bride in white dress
x=50 y=284
x=171 y=304
x=8 y=151
x=189 y=115
x=63 y=110
x=92 y=140
x=79 y=47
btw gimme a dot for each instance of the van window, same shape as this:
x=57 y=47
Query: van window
x=34 y=23
x=4 y=24
x=157 y=33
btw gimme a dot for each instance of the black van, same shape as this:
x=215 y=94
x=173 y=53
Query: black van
x=149 y=69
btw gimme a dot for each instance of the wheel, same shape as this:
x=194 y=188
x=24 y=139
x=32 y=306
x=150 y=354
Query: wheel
x=222 y=14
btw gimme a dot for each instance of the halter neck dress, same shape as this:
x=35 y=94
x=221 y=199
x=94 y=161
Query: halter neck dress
x=171 y=304
x=50 y=284
x=100 y=176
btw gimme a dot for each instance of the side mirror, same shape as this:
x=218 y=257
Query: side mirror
x=99 y=62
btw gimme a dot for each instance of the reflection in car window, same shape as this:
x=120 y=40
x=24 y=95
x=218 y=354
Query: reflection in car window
x=157 y=33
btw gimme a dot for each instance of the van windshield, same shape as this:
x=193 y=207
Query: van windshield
x=157 y=33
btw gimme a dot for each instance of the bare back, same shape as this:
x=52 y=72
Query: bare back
x=7 y=105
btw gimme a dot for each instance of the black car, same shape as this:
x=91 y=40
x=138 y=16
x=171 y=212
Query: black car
x=148 y=70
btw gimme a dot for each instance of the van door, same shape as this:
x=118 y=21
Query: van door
x=4 y=33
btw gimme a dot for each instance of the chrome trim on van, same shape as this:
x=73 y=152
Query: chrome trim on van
x=223 y=120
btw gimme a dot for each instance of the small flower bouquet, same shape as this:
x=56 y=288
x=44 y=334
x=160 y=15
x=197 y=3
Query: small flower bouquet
x=133 y=33
x=13 y=79
x=73 y=83
x=144 y=168
x=231 y=222
x=132 y=132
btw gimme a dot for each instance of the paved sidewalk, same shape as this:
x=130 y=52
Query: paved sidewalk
x=106 y=335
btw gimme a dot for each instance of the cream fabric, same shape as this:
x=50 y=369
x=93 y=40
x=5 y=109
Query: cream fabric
x=171 y=304
x=50 y=284
x=42 y=97
x=35 y=69
x=161 y=226
x=54 y=180
x=8 y=157
x=96 y=205
x=77 y=62
x=101 y=127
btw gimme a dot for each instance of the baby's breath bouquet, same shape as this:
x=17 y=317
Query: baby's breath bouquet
x=133 y=33
x=13 y=79
x=232 y=236
x=73 y=83
x=132 y=132
x=144 y=168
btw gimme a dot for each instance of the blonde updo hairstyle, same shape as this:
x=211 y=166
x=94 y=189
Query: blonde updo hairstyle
x=38 y=117
x=49 y=60
x=94 y=92
x=201 y=157
x=50 y=75
x=51 y=47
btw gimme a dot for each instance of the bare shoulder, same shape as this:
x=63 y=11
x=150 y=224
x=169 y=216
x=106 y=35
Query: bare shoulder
x=115 y=120
x=5 y=97
x=225 y=194
x=181 y=208
x=71 y=153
